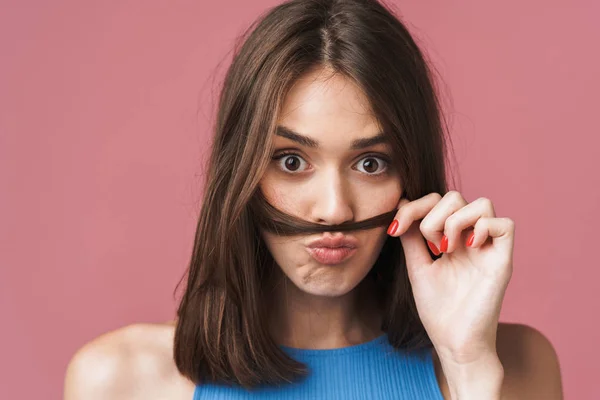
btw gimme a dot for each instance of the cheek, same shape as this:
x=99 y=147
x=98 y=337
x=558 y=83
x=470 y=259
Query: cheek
x=277 y=193
x=271 y=240
x=374 y=201
x=283 y=249
x=378 y=199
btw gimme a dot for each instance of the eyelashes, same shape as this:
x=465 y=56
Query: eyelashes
x=283 y=162
x=287 y=155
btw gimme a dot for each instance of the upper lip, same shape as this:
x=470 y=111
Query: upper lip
x=334 y=241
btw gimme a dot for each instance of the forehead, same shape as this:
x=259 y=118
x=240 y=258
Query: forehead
x=324 y=106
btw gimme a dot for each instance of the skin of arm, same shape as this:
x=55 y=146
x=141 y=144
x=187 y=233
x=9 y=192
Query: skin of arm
x=133 y=362
x=531 y=365
x=94 y=372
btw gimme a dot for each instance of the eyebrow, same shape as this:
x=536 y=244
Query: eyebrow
x=309 y=142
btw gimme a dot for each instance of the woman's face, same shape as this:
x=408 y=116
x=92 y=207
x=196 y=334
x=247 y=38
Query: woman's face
x=326 y=170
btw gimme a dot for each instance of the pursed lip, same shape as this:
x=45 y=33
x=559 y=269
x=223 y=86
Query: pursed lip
x=334 y=241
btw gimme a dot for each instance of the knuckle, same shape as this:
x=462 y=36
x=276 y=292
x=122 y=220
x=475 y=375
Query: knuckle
x=481 y=222
x=455 y=197
x=487 y=203
x=425 y=226
x=435 y=196
x=450 y=224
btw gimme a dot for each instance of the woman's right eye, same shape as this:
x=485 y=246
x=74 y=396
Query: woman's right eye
x=290 y=162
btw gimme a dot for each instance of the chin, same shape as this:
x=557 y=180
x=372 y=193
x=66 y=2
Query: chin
x=327 y=281
x=326 y=290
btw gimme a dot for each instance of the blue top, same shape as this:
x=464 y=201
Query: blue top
x=370 y=370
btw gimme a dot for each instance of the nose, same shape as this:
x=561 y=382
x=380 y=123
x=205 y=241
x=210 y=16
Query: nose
x=332 y=204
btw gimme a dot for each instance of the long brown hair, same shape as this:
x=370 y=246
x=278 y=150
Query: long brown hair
x=221 y=333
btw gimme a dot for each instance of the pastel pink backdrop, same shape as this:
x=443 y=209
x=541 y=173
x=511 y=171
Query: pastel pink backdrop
x=105 y=112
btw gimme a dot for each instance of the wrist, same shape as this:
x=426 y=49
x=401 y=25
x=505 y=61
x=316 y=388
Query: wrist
x=477 y=379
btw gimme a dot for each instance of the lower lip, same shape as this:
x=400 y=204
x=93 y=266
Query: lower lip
x=331 y=255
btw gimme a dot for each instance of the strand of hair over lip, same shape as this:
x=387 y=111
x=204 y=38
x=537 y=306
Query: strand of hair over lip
x=280 y=223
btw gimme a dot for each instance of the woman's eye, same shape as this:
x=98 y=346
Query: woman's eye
x=293 y=163
x=290 y=162
x=372 y=165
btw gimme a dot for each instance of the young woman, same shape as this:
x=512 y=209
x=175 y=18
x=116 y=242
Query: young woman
x=330 y=260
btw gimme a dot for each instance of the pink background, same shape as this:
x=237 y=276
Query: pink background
x=105 y=111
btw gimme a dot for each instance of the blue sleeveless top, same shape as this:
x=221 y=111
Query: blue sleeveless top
x=370 y=370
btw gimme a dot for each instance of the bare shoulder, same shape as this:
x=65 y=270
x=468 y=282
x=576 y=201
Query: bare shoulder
x=531 y=365
x=530 y=362
x=133 y=362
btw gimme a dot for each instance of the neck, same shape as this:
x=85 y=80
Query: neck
x=302 y=320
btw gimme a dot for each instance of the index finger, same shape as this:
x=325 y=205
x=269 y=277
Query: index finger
x=410 y=211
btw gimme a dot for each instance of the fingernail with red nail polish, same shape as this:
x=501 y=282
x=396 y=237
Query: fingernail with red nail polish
x=433 y=249
x=470 y=239
x=444 y=244
x=392 y=228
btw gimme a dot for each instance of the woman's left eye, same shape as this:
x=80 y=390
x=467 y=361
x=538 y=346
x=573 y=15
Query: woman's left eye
x=371 y=164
